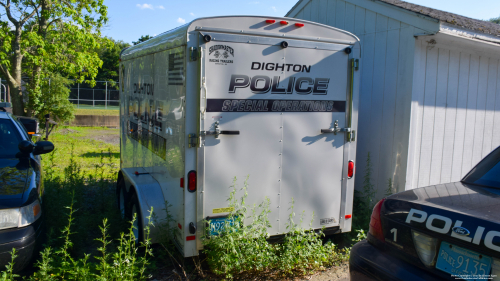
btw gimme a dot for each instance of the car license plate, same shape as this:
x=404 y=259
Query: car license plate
x=217 y=225
x=463 y=263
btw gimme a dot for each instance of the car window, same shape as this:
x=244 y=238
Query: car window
x=23 y=129
x=9 y=139
x=487 y=172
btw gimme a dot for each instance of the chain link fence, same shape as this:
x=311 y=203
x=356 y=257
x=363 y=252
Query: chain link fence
x=104 y=95
x=3 y=90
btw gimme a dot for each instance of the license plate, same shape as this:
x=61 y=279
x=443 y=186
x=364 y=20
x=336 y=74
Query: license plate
x=463 y=263
x=217 y=225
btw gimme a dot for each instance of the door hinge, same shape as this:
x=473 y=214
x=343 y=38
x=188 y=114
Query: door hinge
x=192 y=140
x=193 y=54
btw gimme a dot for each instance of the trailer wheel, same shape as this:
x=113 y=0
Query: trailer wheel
x=121 y=198
x=134 y=209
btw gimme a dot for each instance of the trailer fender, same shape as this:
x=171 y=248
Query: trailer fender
x=149 y=194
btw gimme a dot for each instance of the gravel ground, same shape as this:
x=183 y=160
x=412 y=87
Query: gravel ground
x=334 y=273
x=339 y=273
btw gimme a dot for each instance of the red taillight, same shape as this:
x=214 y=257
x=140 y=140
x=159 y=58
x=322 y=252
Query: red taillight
x=182 y=182
x=299 y=24
x=190 y=238
x=350 y=169
x=270 y=21
x=192 y=181
x=348 y=217
x=283 y=22
x=375 y=222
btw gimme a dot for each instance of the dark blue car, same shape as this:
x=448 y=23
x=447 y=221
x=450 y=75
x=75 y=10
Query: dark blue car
x=440 y=232
x=21 y=190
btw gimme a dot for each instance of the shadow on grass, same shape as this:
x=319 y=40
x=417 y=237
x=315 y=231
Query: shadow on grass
x=99 y=154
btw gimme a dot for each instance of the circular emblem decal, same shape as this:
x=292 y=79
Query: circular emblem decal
x=461 y=230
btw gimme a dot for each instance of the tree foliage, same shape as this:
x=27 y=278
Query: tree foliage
x=41 y=37
x=142 y=39
x=55 y=93
x=110 y=56
x=495 y=20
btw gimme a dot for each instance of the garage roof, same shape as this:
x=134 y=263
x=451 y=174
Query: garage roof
x=450 y=18
x=444 y=17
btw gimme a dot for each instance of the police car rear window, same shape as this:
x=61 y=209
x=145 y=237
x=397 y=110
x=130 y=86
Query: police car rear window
x=487 y=172
x=9 y=139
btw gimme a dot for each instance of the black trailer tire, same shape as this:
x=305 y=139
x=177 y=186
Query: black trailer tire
x=135 y=209
x=122 y=198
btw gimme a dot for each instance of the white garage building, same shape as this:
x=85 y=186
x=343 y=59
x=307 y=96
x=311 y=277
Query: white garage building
x=430 y=88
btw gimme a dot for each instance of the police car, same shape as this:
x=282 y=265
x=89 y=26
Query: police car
x=21 y=188
x=439 y=232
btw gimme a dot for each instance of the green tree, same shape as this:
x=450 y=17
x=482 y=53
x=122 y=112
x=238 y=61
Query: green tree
x=495 y=20
x=55 y=93
x=110 y=56
x=40 y=37
x=142 y=39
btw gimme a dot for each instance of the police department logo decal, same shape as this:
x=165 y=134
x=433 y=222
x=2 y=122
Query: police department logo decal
x=221 y=54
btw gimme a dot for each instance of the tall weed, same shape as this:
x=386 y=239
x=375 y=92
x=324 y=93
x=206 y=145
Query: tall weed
x=241 y=246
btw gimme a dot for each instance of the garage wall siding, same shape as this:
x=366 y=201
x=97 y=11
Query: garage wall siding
x=456 y=112
x=386 y=83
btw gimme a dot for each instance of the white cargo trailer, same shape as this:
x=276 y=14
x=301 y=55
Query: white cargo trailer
x=274 y=99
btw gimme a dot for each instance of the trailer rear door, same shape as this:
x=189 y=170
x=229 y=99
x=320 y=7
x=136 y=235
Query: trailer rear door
x=264 y=108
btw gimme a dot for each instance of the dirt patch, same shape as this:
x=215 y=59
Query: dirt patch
x=65 y=131
x=339 y=273
x=334 y=273
x=111 y=136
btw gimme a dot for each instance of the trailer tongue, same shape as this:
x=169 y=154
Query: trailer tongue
x=273 y=102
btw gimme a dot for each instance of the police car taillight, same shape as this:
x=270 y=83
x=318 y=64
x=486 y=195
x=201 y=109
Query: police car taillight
x=375 y=222
x=350 y=169
x=426 y=247
x=191 y=185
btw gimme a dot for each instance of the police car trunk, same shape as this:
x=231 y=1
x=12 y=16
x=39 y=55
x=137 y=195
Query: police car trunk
x=271 y=99
x=449 y=230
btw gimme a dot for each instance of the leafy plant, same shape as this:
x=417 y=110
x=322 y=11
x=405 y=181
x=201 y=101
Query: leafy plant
x=389 y=189
x=54 y=92
x=9 y=273
x=241 y=246
x=124 y=263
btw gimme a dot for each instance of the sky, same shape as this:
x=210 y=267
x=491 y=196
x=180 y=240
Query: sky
x=129 y=19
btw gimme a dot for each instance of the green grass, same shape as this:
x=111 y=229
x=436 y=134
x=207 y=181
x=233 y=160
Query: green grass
x=90 y=111
x=87 y=151
x=86 y=238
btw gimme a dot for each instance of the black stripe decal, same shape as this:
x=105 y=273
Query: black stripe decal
x=259 y=105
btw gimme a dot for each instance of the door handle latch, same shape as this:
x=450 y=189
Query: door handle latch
x=218 y=131
x=335 y=129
